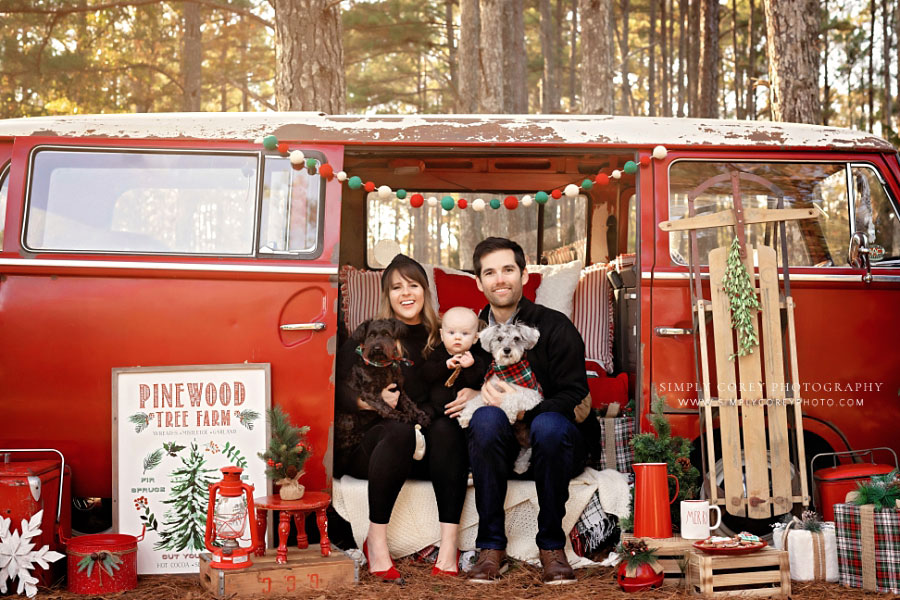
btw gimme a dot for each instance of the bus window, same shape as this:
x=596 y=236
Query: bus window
x=875 y=215
x=432 y=235
x=171 y=202
x=821 y=242
x=631 y=244
x=291 y=209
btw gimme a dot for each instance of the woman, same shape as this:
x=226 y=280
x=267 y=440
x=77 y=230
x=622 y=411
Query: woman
x=385 y=455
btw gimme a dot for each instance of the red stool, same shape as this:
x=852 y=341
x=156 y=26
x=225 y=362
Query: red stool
x=298 y=509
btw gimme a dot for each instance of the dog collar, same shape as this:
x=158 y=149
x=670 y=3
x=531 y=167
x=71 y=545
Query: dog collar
x=393 y=362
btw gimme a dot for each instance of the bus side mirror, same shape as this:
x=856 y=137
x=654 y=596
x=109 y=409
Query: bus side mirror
x=858 y=255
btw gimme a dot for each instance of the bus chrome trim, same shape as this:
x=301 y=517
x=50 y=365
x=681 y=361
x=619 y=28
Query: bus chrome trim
x=165 y=266
x=794 y=277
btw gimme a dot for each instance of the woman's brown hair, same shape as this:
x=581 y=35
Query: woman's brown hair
x=411 y=271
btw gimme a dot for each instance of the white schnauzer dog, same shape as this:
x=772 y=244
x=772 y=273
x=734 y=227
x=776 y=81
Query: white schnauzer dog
x=507 y=343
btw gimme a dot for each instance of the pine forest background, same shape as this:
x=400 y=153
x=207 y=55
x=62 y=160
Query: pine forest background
x=833 y=62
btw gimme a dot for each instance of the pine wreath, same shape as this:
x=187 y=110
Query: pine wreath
x=742 y=299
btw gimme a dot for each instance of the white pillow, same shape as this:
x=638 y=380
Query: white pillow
x=558 y=283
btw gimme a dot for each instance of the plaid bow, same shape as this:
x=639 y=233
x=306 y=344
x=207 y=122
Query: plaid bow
x=519 y=374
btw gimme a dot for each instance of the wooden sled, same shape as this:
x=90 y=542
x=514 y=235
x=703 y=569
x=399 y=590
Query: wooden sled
x=756 y=422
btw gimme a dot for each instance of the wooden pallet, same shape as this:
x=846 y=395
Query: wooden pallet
x=764 y=574
x=672 y=553
x=305 y=569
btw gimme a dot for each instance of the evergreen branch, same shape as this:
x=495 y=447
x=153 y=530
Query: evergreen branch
x=140 y=420
x=152 y=460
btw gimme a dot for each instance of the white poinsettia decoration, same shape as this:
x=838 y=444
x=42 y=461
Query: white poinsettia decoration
x=18 y=556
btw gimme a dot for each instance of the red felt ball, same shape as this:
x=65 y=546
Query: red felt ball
x=556 y=194
x=463 y=203
x=645 y=160
x=416 y=200
x=283 y=147
x=326 y=171
x=511 y=202
x=370 y=187
x=601 y=179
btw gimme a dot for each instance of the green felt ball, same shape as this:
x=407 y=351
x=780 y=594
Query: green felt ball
x=401 y=194
x=310 y=162
x=495 y=203
x=541 y=197
x=587 y=184
x=630 y=167
x=270 y=142
x=447 y=203
x=354 y=182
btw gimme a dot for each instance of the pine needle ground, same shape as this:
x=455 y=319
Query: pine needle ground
x=522 y=582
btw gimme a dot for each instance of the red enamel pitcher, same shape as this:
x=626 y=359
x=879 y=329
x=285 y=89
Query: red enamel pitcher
x=652 y=516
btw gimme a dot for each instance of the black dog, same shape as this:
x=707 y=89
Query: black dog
x=379 y=356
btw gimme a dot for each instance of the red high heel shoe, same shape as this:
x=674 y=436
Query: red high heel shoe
x=391 y=575
x=441 y=573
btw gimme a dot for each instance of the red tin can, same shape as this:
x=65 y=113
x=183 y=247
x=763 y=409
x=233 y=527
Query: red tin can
x=28 y=486
x=119 y=545
x=833 y=483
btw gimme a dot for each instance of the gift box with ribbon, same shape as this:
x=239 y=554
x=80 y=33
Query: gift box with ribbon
x=617 y=452
x=812 y=554
x=868 y=546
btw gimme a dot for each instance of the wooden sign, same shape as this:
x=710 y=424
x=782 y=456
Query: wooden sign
x=173 y=429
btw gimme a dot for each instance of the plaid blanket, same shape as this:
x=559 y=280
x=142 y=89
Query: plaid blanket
x=885 y=542
x=519 y=374
x=594 y=528
x=616 y=435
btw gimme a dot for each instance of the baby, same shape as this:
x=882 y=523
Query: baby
x=451 y=366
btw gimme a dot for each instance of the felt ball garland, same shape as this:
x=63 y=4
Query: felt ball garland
x=299 y=160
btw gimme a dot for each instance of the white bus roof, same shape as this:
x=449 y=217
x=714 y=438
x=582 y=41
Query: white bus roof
x=600 y=130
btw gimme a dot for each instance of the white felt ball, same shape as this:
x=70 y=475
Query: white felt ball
x=660 y=152
x=571 y=190
x=617 y=174
x=527 y=200
x=258 y=141
x=478 y=204
x=296 y=157
x=341 y=176
x=432 y=201
x=384 y=191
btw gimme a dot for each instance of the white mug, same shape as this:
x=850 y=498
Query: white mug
x=695 y=519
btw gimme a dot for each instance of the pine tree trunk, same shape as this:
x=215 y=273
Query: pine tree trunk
x=897 y=42
x=573 y=40
x=738 y=76
x=469 y=56
x=793 y=50
x=627 y=99
x=309 y=56
x=682 y=52
x=709 y=60
x=664 y=59
x=492 y=55
x=886 y=71
x=750 y=104
x=596 y=57
x=871 y=65
x=651 y=62
x=694 y=59
x=192 y=57
x=549 y=82
x=826 y=92
x=451 y=51
x=515 y=59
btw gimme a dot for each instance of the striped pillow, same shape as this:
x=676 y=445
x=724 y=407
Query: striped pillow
x=360 y=292
x=593 y=315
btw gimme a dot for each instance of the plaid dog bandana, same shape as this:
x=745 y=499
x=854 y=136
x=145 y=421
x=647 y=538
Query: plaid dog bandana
x=519 y=374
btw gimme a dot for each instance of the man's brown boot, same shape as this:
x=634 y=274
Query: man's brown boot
x=556 y=567
x=491 y=564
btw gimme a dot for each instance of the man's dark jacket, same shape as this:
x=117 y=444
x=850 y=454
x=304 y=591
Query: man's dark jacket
x=557 y=360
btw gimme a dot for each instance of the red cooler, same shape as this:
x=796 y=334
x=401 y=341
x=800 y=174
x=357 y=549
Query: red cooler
x=28 y=484
x=833 y=483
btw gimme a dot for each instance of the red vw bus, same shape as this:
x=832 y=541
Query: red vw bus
x=157 y=239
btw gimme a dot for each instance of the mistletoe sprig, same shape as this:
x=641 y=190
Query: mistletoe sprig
x=635 y=553
x=288 y=449
x=103 y=560
x=743 y=300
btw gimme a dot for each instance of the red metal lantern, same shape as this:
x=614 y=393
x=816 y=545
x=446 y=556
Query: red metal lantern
x=230 y=504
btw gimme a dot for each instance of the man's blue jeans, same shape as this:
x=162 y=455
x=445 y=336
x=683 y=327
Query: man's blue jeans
x=558 y=455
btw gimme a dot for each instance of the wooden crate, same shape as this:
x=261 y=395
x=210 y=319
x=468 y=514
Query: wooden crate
x=305 y=569
x=766 y=574
x=672 y=553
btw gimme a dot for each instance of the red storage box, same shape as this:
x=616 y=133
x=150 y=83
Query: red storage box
x=833 y=483
x=27 y=486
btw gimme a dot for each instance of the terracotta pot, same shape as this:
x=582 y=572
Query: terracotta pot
x=291 y=489
x=644 y=579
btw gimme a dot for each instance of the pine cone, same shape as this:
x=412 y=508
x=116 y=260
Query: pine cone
x=291 y=472
x=683 y=462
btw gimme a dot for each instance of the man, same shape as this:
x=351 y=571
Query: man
x=558 y=449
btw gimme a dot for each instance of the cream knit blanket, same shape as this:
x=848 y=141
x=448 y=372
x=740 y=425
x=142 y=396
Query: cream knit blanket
x=414 y=523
